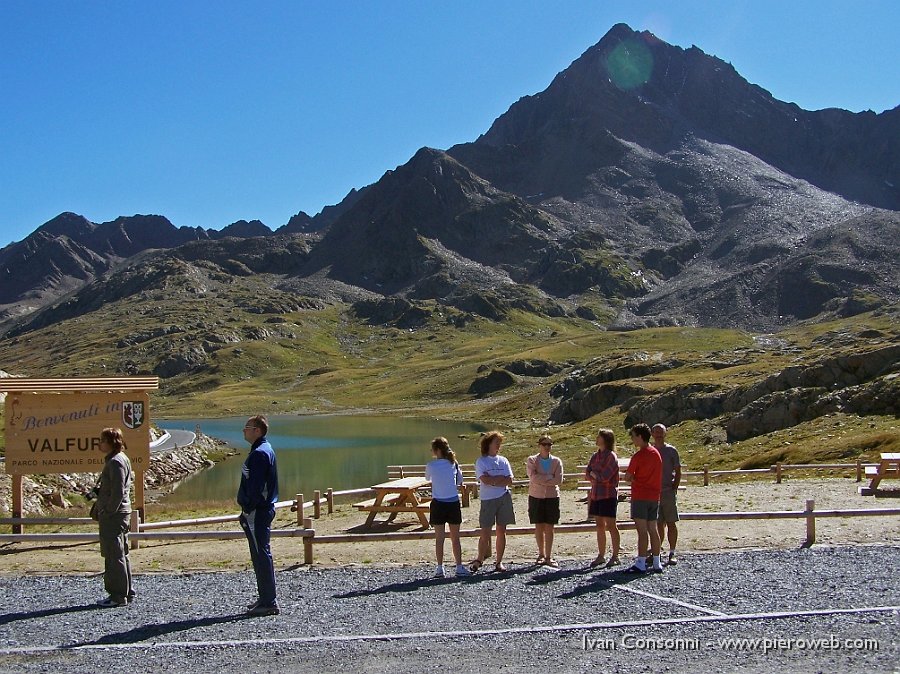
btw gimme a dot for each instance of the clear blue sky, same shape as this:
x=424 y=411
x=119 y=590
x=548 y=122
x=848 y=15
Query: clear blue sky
x=209 y=111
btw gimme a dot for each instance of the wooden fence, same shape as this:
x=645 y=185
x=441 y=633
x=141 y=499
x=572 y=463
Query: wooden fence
x=810 y=514
x=777 y=470
x=305 y=529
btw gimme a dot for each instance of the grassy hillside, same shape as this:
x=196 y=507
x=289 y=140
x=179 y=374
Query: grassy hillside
x=254 y=350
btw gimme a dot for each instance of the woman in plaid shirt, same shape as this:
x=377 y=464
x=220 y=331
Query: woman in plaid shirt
x=603 y=473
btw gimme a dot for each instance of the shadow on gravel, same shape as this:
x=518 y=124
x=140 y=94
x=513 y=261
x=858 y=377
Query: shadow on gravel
x=561 y=574
x=384 y=527
x=45 y=613
x=145 y=632
x=14 y=548
x=602 y=582
x=413 y=585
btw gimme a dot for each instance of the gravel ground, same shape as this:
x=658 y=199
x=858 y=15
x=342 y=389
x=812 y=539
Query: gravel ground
x=324 y=610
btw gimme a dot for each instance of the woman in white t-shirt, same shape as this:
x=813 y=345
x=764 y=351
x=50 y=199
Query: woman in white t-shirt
x=496 y=477
x=446 y=478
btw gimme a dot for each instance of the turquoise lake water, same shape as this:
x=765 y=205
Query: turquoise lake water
x=318 y=452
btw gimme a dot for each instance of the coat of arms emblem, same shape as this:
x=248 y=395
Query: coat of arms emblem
x=133 y=414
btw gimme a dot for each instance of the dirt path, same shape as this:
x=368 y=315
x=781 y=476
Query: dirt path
x=694 y=536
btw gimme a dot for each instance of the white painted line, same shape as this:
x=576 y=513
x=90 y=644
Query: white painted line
x=345 y=638
x=693 y=607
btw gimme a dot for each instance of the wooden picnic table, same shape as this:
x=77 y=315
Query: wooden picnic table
x=397 y=496
x=888 y=467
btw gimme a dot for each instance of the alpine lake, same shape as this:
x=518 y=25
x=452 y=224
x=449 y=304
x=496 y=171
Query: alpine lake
x=318 y=452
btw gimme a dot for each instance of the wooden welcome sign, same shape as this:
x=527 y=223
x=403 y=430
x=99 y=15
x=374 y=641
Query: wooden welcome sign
x=60 y=432
x=53 y=426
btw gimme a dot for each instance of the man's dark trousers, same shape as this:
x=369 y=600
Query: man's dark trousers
x=257 y=525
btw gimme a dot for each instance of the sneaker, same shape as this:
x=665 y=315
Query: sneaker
x=673 y=560
x=461 y=570
x=252 y=606
x=439 y=571
x=264 y=610
x=655 y=569
x=634 y=568
x=109 y=602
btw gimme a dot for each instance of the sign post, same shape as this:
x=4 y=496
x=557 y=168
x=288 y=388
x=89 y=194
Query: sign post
x=53 y=426
x=17 y=502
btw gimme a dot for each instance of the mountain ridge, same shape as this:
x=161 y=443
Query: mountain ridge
x=646 y=181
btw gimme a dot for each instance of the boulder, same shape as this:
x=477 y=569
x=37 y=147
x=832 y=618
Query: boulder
x=181 y=362
x=57 y=500
x=533 y=368
x=496 y=380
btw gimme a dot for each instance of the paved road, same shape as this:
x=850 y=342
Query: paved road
x=176 y=438
x=825 y=609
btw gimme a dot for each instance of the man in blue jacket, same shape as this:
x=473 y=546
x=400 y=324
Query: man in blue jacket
x=257 y=496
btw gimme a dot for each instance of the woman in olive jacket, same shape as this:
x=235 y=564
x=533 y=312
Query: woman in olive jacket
x=113 y=512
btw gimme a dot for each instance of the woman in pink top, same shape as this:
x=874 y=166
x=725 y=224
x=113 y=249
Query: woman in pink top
x=603 y=473
x=545 y=474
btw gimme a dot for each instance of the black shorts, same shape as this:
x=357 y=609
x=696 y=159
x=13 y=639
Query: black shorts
x=445 y=512
x=605 y=507
x=543 y=510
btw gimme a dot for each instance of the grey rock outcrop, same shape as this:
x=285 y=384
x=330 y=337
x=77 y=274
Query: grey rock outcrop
x=495 y=380
x=181 y=362
x=866 y=382
x=533 y=368
x=585 y=403
x=692 y=401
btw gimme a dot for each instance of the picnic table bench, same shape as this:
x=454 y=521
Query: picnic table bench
x=395 y=497
x=468 y=488
x=888 y=467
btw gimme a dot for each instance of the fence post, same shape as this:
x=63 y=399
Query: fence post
x=307 y=543
x=317 y=504
x=329 y=498
x=859 y=470
x=299 y=506
x=778 y=473
x=810 y=522
x=705 y=476
x=135 y=527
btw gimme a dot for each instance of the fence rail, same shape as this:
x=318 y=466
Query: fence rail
x=310 y=539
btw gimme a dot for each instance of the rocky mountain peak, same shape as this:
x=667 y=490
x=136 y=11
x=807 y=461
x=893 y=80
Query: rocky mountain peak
x=68 y=224
x=635 y=87
x=301 y=222
x=242 y=229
